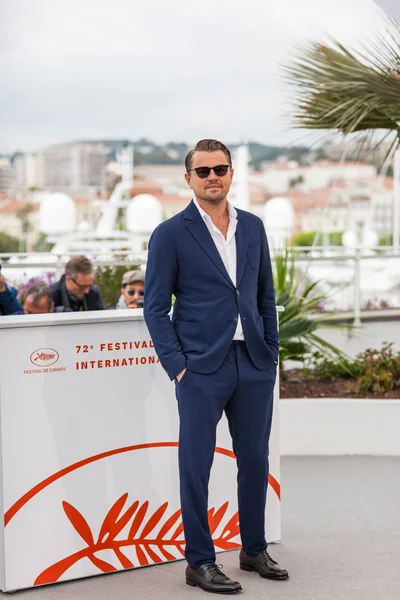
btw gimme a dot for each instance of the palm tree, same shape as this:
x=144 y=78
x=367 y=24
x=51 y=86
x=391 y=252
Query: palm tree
x=350 y=92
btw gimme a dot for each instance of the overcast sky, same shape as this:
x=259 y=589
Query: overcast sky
x=163 y=69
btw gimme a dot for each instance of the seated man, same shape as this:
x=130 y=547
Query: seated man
x=39 y=300
x=132 y=290
x=76 y=288
x=8 y=299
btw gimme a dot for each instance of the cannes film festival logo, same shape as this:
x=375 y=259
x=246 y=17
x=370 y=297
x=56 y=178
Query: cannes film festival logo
x=134 y=532
x=44 y=357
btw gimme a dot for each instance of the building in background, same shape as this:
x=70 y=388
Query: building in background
x=28 y=172
x=6 y=175
x=284 y=175
x=170 y=178
x=325 y=196
x=73 y=167
x=362 y=205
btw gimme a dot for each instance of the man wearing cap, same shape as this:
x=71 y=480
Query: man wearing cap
x=132 y=290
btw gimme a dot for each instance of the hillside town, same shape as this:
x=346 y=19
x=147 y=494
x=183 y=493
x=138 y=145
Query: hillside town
x=326 y=195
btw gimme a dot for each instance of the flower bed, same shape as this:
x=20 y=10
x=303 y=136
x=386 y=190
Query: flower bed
x=371 y=374
x=299 y=385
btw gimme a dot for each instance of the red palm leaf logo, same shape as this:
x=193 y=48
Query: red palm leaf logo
x=143 y=541
x=150 y=547
x=44 y=357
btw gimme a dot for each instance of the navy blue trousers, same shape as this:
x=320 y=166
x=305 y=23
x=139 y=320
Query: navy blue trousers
x=246 y=396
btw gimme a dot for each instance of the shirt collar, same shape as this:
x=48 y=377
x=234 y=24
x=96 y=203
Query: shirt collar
x=231 y=211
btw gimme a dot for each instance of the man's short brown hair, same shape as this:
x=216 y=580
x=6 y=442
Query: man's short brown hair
x=78 y=264
x=207 y=146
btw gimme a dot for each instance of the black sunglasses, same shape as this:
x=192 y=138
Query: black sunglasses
x=204 y=172
x=132 y=292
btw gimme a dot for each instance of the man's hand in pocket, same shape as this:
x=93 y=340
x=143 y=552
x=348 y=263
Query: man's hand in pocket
x=181 y=374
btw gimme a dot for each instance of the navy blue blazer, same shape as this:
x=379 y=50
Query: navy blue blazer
x=183 y=261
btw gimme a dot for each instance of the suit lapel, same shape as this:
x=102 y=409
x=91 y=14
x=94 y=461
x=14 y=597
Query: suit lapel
x=199 y=230
x=241 y=247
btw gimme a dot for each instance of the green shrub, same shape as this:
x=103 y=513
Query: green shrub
x=376 y=382
x=8 y=243
x=380 y=370
x=374 y=371
x=108 y=279
x=41 y=244
x=323 y=367
x=386 y=240
x=306 y=238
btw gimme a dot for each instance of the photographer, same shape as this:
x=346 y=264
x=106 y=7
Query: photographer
x=132 y=290
x=76 y=288
x=8 y=298
x=39 y=301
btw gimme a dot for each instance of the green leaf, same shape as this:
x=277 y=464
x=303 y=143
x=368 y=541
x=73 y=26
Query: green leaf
x=337 y=89
x=301 y=300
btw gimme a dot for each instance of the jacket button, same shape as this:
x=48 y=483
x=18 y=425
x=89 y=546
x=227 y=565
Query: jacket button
x=235 y=320
x=237 y=293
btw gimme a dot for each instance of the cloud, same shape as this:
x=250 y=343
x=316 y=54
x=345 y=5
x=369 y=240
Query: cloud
x=167 y=70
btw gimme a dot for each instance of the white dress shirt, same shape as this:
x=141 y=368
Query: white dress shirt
x=226 y=249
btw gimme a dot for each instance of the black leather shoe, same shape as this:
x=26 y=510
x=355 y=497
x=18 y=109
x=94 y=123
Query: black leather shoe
x=264 y=564
x=210 y=578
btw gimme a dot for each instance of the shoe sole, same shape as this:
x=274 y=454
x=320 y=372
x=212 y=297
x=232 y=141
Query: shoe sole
x=195 y=584
x=274 y=578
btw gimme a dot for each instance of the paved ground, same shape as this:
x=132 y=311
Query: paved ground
x=341 y=532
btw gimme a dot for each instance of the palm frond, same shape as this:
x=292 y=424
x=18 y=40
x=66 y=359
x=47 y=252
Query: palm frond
x=294 y=350
x=348 y=91
x=298 y=327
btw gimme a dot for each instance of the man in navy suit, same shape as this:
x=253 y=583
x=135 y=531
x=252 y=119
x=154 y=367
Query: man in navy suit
x=221 y=349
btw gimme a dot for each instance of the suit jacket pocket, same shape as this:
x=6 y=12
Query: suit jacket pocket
x=253 y=255
x=191 y=335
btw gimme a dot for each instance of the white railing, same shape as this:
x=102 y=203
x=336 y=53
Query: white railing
x=305 y=257
x=357 y=257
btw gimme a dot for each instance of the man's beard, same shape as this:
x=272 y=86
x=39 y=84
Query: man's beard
x=214 y=200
